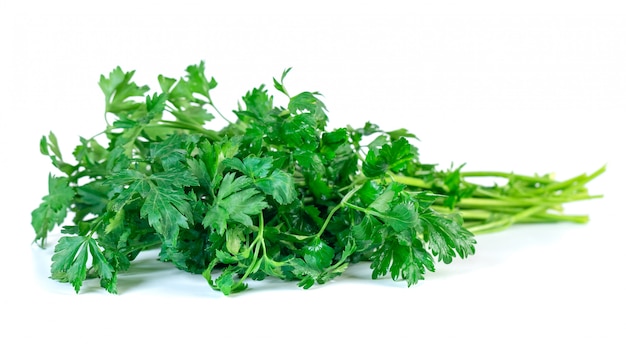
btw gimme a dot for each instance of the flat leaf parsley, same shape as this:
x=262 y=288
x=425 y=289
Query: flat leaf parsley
x=274 y=193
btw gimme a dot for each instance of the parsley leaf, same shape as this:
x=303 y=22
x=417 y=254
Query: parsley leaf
x=53 y=209
x=236 y=201
x=118 y=89
x=70 y=259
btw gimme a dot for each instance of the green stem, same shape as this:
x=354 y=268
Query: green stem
x=410 y=181
x=341 y=204
x=506 y=222
x=220 y=113
x=509 y=175
x=142 y=247
x=257 y=246
x=487 y=215
x=188 y=127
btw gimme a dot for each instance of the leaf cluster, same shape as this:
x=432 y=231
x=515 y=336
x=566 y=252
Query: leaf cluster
x=275 y=193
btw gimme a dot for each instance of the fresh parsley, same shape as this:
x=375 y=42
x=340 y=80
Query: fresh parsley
x=275 y=193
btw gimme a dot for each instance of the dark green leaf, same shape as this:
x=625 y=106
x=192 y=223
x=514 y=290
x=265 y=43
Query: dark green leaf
x=401 y=217
x=236 y=201
x=446 y=236
x=53 y=209
x=318 y=254
x=104 y=270
x=279 y=185
x=167 y=210
x=69 y=261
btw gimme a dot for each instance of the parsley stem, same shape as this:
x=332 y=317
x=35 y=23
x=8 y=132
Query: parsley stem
x=509 y=202
x=361 y=209
x=188 y=127
x=509 y=175
x=505 y=222
x=525 y=198
x=220 y=113
x=488 y=215
x=410 y=181
x=142 y=247
x=344 y=202
x=259 y=243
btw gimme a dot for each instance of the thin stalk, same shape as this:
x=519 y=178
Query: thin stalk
x=506 y=222
x=410 y=181
x=257 y=246
x=486 y=215
x=188 y=127
x=508 y=175
x=220 y=113
x=341 y=204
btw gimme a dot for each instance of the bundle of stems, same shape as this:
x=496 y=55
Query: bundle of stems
x=511 y=198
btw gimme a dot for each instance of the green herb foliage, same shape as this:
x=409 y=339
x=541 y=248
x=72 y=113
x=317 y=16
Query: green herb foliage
x=273 y=194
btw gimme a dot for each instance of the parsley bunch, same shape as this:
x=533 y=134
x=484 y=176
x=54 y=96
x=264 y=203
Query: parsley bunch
x=274 y=193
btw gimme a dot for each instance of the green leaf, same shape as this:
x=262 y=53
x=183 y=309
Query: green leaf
x=318 y=254
x=50 y=147
x=172 y=151
x=279 y=185
x=401 y=217
x=317 y=266
x=331 y=141
x=357 y=134
x=236 y=201
x=446 y=237
x=367 y=234
x=234 y=239
x=118 y=89
x=230 y=185
x=196 y=115
x=305 y=271
x=166 y=83
x=410 y=263
x=382 y=203
x=133 y=183
x=53 y=209
x=243 y=204
x=156 y=104
x=164 y=202
x=310 y=161
x=227 y=282
x=69 y=261
x=258 y=106
x=280 y=86
x=389 y=157
x=457 y=189
x=251 y=166
x=102 y=268
x=400 y=133
x=406 y=262
x=213 y=156
x=177 y=177
x=216 y=218
x=91 y=198
x=226 y=258
x=300 y=132
x=198 y=81
x=307 y=103
x=167 y=210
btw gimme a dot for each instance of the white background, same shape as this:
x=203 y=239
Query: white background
x=532 y=86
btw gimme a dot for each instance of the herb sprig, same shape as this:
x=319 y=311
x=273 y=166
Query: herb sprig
x=274 y=193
